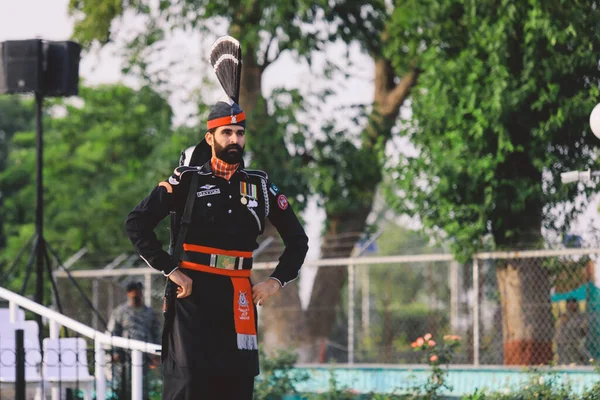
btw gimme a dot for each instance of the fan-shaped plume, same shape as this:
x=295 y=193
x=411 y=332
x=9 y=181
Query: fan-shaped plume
x=226 y=60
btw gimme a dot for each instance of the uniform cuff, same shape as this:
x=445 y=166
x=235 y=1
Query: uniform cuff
x=170 y=268
x=277 y=280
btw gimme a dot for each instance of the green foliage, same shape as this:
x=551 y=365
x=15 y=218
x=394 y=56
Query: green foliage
x=539 y=386
x=345 y=173
x=16 y=115
x=500 y=110
x=287 y=23
x=277 y=377
x=98 y=163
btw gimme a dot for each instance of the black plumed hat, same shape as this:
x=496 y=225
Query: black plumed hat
x=226 y=60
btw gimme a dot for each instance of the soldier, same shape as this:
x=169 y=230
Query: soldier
x=132 y=320
x=210 y=347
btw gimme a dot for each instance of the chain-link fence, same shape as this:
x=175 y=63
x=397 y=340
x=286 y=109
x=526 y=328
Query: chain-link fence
x=538 y=308
x=526 y=308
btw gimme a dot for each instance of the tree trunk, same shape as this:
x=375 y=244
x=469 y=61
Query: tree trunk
x=524 y=284
x=527 y=322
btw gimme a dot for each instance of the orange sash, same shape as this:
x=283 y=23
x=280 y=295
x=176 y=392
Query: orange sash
x=243 y=306
x=243 y=313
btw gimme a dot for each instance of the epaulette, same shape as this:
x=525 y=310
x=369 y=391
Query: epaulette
x=257 y=172
x=179 y=171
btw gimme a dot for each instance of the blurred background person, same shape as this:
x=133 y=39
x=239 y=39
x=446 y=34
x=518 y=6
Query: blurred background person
x=132 y=320
x=570 y=336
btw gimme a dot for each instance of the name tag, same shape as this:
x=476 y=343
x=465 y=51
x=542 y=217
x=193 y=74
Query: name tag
x=208 y=192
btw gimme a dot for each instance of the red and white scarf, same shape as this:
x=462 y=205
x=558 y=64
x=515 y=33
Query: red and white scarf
x=222 y=169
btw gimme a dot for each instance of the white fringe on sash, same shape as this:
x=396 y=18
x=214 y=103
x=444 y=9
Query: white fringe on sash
x=247 y=342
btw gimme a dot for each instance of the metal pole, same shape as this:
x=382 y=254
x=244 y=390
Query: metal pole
x=13 y=310
x=136 y=375
x=350 y=313
x=100 y=376
x=148 y=289
x=111 y=296
x=475 y=312
x=54 y=329
x=95 y=301
x=366 y=302
x=453 y=278
x=20 y=365
x=39 y=209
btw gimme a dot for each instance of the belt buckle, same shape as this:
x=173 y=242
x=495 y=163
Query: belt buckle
x=224 y=262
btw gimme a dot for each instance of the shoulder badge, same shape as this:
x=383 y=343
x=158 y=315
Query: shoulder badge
x=282 y=202
x=273 y=189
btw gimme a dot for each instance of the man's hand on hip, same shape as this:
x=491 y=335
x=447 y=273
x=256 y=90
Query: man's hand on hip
x=183 y=282
x=263 y=290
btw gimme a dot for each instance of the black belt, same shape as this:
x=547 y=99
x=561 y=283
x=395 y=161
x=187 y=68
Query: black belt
x=217 y=260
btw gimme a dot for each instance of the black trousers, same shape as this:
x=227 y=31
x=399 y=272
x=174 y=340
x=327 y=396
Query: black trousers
x=190 y=384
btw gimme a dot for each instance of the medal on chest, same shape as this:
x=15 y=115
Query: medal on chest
x=248 y=194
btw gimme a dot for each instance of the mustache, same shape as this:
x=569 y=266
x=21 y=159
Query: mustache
x=234 y=146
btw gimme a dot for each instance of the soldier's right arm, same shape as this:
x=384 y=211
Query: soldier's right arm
x=145 y=216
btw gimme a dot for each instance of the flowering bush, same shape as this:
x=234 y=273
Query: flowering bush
x=436 y=354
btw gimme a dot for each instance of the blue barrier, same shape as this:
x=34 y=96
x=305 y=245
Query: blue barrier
x=463 y=379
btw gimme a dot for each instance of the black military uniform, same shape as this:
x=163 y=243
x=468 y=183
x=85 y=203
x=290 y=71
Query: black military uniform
x=210 y=336
x=227 y=215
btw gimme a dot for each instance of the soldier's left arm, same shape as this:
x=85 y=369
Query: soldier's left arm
x=291 y=231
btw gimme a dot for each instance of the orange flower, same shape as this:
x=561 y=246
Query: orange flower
x=431 y=343
x=427 y=336
x=433 y=358
x=414 y=344
x=420 y=341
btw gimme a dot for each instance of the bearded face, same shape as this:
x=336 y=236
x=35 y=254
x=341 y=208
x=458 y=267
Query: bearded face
x=231 y=154
x=228 y=143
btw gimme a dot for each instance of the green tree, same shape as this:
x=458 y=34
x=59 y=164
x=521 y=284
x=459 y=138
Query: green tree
x=346 y=169
x=501 y=109
x=16 y=115
x=97 y=164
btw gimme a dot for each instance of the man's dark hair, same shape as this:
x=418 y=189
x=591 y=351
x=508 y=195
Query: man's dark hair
x=131 y=286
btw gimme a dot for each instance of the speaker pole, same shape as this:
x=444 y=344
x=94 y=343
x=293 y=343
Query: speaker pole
x=39 y=206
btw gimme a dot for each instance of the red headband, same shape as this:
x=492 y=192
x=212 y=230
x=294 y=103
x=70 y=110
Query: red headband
x=229 y=120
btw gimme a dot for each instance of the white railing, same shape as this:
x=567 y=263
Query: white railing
x=100 y=341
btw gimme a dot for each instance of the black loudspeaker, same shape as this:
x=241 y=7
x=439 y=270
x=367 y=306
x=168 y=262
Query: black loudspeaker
x=21 y=66
x=48 y=68
x=61 y=68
